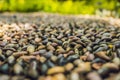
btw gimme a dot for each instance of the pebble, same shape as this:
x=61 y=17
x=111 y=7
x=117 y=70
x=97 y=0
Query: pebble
x=11 y=59
x=98 y=60
x=104 y=72
x=51 y=47
x=59 y=77
x=37 y=40
x=1 y=34
x=54 y=58
x=48 y=54
x=111 y=66
x=93 y=76
x=4 y=77
x=44 y=68
x=77 y=62
x=83 y=67
x=90 y=57
x=56 y=69
x=102 y=54
x=9 y=52
x=69 y=66
x=116 y=60
x=84 y=58
x=18 y=78
x=33 y=73
x=62 y=61
x=74 y=76
x=50 y=64
x=3 y=43
x=42 y=59
x=4 y=68
x=41 y=47
x=0 y=51
x=27 y=58
x=17 y=54
x=42 y=51
x=17 y=69
x=45 y=78
x=31 y=49
x=96 y=65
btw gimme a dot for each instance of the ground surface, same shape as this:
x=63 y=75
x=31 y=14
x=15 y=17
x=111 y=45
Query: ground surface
x=55 y=47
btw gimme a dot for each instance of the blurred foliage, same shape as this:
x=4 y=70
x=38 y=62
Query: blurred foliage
x=61 y=6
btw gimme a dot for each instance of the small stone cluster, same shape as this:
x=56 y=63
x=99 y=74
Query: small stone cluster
x=58 y=48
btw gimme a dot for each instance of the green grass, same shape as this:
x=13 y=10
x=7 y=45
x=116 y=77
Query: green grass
x=55 y=6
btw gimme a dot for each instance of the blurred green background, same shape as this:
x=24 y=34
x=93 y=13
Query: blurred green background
x=100 y=7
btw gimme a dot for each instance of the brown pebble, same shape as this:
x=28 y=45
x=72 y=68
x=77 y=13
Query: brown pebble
x=41 y=47
x=69 y=66
x=111 y=66
x=27 y=58
x=41 y=78
x=102 y=54
x=96 y=65
x=37 y=40
x=45 y=78
x=60 y=50
x=42 y=59
x=49 y=47
x=83 y=67
x=8 y=38
x=17 y=54
x=56 y=69
x=1 y=34
x=59 y=77
x=84 y=58
x=0 y=51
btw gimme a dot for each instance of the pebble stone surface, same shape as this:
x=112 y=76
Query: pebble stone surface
x=58 y=47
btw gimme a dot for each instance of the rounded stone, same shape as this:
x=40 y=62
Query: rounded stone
x=56 y=69
x=31 y=48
